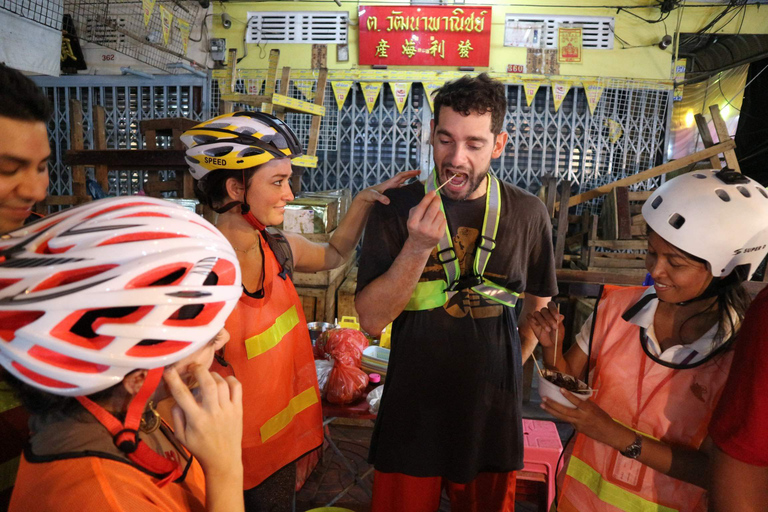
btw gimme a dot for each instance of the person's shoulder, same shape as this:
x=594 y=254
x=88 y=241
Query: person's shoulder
x=522 y=201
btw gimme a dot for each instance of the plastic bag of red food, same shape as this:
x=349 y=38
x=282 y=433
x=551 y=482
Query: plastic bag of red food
x=345 y=384
x=343 y=345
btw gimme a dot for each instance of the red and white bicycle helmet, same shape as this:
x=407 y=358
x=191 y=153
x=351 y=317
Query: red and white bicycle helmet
x=240 y=140
x=97 y=291
x=718 y=216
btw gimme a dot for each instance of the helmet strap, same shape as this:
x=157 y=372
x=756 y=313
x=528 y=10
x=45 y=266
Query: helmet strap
x=126 y=435
x=245 y=210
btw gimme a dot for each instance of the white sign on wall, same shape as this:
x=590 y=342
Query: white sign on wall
x=523 y=35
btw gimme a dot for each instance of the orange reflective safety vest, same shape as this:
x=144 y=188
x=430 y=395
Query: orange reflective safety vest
x=672 y=405
x=271 y=355
x=98 y=483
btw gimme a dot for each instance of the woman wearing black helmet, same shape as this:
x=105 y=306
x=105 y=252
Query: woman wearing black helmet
x=242 y=162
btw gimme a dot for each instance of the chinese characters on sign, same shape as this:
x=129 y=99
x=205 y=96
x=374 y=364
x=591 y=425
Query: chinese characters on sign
x=425 y=36
x=569 y=44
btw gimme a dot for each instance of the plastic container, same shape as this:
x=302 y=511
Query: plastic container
x=386 y=336
x=317 y=328
x=552 y=391
x=349 y=322
x=375 y=360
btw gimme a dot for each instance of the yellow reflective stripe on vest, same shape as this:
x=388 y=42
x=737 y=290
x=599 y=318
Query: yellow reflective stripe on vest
x=428 y=295
x=611 y=493
x=8 y=470
x=257 y=345
x=8 y=398
x=279 y=421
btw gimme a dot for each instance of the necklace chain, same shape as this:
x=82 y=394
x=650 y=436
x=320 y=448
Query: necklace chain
x=256 y=245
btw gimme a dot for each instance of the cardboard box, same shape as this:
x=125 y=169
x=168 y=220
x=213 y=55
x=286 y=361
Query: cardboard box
x=343 y=195
x=311 y=215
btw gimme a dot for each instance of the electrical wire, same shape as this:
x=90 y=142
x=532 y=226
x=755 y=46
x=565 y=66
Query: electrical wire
x=732 y=4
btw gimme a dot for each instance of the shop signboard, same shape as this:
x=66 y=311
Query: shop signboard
x=425 y=35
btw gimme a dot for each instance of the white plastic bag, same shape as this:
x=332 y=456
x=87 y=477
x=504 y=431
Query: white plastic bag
x=374 y=398
x=323 y=369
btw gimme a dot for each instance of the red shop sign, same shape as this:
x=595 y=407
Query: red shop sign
x=425 y=36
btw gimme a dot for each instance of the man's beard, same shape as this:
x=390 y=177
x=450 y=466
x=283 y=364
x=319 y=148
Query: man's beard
x=473 y=184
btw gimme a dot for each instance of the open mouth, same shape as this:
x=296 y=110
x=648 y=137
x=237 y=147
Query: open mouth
x=456 y=179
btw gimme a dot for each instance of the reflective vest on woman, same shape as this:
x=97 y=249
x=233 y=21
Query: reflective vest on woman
x=271 y=355
x=671 y=405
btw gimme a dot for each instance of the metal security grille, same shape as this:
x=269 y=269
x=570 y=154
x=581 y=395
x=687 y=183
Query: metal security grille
x=627 y=134
x=597 y=31
x=297 y=27
x=126 y=102
x=119 y=25
x=45 y=12
x=372 y=147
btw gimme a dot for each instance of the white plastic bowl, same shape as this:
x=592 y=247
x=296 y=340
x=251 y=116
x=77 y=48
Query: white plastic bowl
x=551 y=391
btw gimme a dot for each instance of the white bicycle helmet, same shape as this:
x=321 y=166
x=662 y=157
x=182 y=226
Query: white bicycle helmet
x=97 y=291
x=239 y=140
x=718 y=216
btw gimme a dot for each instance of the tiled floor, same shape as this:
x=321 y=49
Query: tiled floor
x=331 y=477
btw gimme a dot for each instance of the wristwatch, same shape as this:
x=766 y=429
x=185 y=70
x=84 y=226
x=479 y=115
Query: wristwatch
x=633 y=450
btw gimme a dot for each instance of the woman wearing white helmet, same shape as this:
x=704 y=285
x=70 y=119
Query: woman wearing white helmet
x=242 y=162
x=659 y=356
x=104 y=309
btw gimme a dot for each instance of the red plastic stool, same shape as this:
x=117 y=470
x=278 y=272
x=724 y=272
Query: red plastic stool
x=542 y=451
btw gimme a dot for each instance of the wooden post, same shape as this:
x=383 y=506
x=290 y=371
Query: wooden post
x=100 y=142
x=270 y=84
x=706 y=138
x=722 y=134
x=79 y=190
x=319 y=60
x=285 y=82
x=549 y=183
x=562 y=223
x=615 y=217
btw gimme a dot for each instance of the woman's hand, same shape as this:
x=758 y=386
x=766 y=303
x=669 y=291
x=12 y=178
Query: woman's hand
x=589 y=419
x=546 y=323
x=376 y=193
x=211 y=426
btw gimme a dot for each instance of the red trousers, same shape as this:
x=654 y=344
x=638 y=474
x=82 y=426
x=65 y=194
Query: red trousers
x=488 y=492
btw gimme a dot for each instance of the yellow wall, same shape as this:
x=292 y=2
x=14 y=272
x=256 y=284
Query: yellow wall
x=645 y=62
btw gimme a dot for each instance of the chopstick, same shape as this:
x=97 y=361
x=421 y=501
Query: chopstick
x=557 y=328
x=446 y=182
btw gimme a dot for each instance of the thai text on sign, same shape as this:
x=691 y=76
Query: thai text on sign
x=425 y=36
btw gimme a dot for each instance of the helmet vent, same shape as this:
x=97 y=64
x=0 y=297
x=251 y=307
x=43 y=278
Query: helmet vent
x=762 y=191
x=218 y=151
x=657 y=202
x=218 y=125
x=743 y=191
x=251 y=151
x=191 y=160
x=204 y=139
x=722 y=194
x=676 y=221
x=700 y=176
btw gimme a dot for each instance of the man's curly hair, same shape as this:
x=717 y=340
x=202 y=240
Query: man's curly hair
x=478 y=94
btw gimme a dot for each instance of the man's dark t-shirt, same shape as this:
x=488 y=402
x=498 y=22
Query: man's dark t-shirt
x=453 y=394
